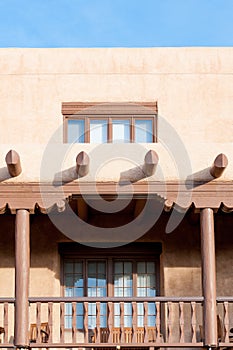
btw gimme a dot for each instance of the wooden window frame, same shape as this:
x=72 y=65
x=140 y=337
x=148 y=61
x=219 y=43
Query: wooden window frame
x=109 y=111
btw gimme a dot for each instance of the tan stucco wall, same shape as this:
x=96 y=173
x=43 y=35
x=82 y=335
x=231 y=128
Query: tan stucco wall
x=193 y=88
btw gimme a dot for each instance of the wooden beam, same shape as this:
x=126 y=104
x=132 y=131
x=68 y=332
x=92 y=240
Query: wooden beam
x=150 y=162
x=82 y=209
x=61 y=205
x=219 y=165
x=208 y=277
x=168 y=205
x=13 y=163
x=82 y=164
x=22 y=265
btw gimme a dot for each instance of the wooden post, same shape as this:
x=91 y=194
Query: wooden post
x=22 y=263
x=209 y=277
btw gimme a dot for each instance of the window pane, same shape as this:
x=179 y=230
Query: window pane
x=141 y=267
x=98 y=131
x=143 y=130
x=151 y=321
x=151 y=281
x=141 y=292
x=68 y=268
x=76 y=131
x=101 y=268
x=78 y=266
x=140 y=308
x=79 y=322
x=120 y=131
x=69 y=281
x=150 y=267
x=78 y=281
x=128 y=267
x=118 y=267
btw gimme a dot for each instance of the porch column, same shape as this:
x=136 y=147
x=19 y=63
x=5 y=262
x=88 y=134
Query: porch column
x=22 y=264
x=208 y=277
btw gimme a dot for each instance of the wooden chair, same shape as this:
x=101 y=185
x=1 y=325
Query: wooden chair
x=43 y=337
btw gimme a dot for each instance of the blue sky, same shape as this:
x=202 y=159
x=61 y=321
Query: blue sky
x=115 y=23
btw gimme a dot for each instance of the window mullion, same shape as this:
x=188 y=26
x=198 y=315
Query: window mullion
x=109 y=129
x=132 y=130
x=85 y=293
x=110 y=277
x=134 y=278
x=87 y=130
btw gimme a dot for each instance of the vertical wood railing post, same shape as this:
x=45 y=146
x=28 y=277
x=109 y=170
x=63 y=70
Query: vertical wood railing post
x=193 y=322
x=6 y=316
x=22 y=265
x=208 y=277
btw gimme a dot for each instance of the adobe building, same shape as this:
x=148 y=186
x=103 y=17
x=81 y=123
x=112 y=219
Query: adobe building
x=116 y=198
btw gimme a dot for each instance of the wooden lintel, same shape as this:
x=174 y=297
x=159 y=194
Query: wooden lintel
x=82 y=164
x=82 y=209
x=13 y=163
x=150 y=162
x=22 y=265
x=208 y=277
x=219 y=165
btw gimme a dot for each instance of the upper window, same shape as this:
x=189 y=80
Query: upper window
x=114 y=123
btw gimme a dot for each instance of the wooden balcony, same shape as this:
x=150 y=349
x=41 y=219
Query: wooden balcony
x=179 y=323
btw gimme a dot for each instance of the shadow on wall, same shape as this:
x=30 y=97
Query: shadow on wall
x=4 y=174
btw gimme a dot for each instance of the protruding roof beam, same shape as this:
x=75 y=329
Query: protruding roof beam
x=61 y=205
x=168 y=205
x=13 y=163
x=219 y=165
x=82 y=164
x=150 y=162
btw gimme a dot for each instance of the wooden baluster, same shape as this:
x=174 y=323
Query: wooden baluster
x=169 y=321
x=85 y=309
x=110 y=321
x=181 y=319
x=5 y=324
x=145 y=304
x=98 y=322
x=38 y=322
x=73 y=322
x=134 y=309
x=193 y=322
x=158 y=322
x=62 y=316
x=50 y=321
x=122 y=332
x=226 y=322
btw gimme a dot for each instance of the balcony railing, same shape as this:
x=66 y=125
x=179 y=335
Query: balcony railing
x=58 y=322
